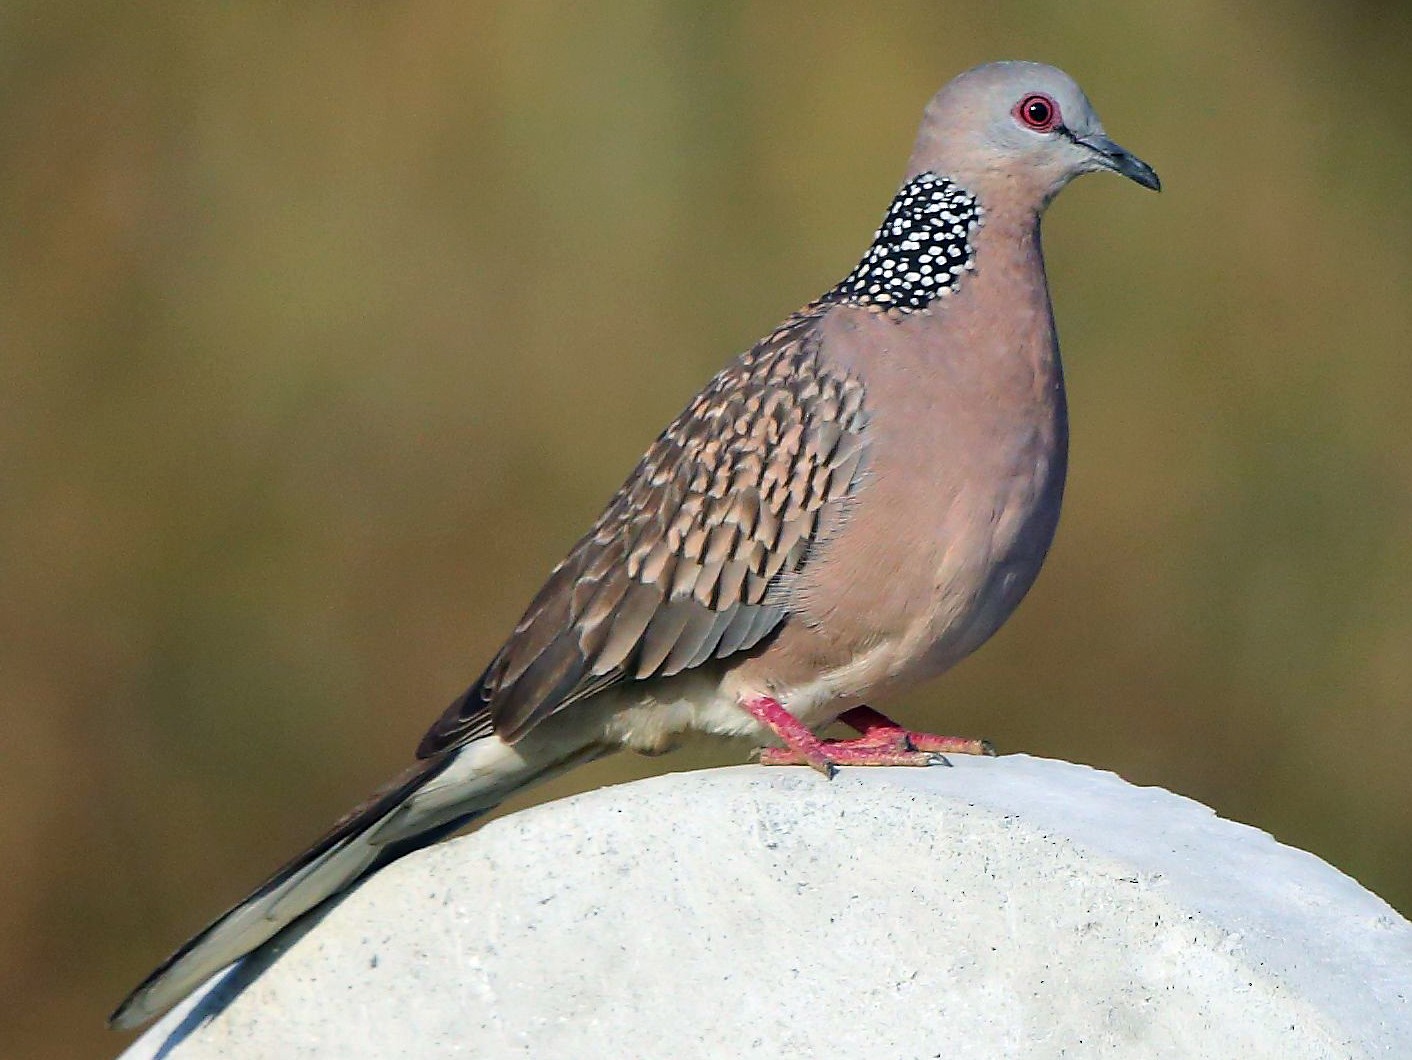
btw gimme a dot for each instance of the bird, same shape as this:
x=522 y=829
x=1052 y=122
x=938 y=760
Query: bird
x=849 y=508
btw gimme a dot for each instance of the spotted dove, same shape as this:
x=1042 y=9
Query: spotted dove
x=852 y=506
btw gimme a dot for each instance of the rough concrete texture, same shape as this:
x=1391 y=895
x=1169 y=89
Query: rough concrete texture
x=1009 y=907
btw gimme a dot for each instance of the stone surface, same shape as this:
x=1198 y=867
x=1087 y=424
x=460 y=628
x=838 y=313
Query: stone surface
x=1010 y=907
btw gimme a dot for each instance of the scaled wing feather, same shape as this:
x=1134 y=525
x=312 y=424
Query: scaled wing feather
x=694 y=556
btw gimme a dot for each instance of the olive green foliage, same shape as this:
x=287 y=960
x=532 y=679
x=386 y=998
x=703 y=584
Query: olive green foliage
x=326 y=327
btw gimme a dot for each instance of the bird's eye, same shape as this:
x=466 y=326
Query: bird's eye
x=1037 y=112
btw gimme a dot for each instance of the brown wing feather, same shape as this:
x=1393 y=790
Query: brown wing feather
x=693 y=557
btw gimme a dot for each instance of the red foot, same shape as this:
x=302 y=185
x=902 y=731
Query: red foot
x=883 y=742
x=871 y=722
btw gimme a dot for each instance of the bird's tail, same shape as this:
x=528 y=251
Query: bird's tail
x=429 y=801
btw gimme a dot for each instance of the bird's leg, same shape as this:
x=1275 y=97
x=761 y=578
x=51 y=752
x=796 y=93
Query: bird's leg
x=803 y=748
x=876 y=727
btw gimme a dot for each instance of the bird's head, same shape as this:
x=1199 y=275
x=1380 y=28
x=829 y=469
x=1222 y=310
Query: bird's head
x=1018 y=132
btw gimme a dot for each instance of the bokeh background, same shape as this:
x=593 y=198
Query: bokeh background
x=326 y=327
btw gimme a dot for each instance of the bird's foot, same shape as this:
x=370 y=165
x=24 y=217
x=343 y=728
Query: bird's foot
x=864 y=751
x=882 y=741
x=875 y=725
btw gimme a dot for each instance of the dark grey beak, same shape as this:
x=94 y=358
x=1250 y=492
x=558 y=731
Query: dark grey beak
x=1113 y=157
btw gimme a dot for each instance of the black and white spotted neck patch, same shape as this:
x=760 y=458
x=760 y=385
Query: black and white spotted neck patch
x=921 y=249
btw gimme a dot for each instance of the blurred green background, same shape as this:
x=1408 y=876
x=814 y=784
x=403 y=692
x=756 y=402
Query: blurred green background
x=326 y=327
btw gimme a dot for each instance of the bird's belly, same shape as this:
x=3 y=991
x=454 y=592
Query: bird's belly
x=952 y=585
x=989 y=554
x=963 y=579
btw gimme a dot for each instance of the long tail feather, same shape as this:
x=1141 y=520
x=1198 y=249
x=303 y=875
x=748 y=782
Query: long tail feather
x=424 y=804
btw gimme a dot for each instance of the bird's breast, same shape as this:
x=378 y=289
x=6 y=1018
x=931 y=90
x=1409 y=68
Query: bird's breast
x=967 y=452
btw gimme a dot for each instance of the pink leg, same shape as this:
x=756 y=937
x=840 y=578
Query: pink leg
x=802 y=747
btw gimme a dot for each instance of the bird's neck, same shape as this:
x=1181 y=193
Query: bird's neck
x=1003 y=310
x=928 y=245
x=1010 y=245
x=991 y=324
x=921 y=252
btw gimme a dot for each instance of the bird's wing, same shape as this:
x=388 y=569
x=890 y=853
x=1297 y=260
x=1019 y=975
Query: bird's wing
x=694 y=555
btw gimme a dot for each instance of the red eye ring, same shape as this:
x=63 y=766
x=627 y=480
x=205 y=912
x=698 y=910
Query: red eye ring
x=1038 y=112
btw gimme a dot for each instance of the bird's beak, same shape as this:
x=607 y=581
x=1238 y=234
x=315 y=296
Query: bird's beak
x=1111 y=156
